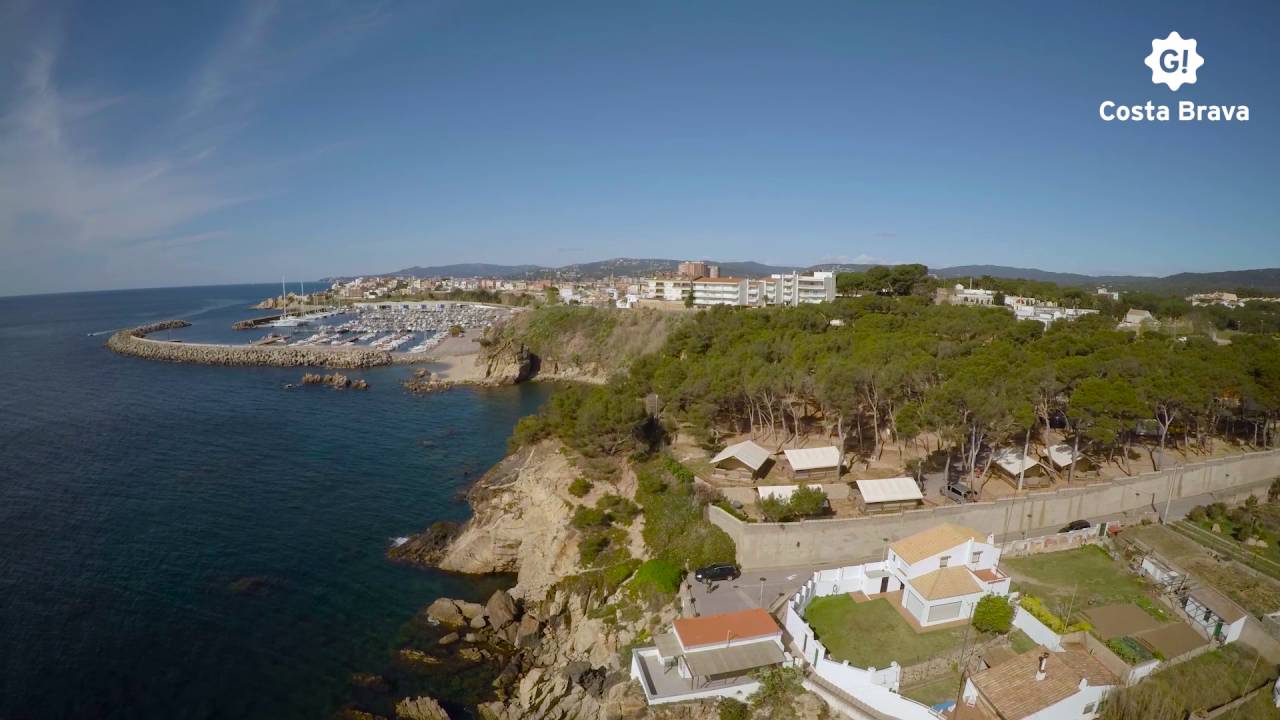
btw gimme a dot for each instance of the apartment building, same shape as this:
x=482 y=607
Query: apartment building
x=726 y=291
x=800 y=289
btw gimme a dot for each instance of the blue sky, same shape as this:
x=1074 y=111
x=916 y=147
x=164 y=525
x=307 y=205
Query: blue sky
x=159 y=143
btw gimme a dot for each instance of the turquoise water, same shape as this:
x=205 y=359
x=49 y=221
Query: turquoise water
x=179 y=541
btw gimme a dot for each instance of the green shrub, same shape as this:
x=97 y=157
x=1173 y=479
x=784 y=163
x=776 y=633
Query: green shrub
x=579 y=487
x=599 y=583
x=808 y=501
x=657 y=577
x=731 y=709
x=591 y=547
x=1037 y=609
x=728 y=507
x=1198 y=514
x=779 y=687
x=585 y=518
x=774 y=509
x=674 y=529
x=678 y=471
x=614 y=575
x=994 y=614
x=618 y=508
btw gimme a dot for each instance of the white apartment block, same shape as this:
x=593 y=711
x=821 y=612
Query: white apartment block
x=791 y=289
x=799 y=289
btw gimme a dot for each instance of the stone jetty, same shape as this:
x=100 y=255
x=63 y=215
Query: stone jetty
x=135 y=342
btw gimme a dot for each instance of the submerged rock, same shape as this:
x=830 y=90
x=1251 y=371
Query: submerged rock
x=250 y=585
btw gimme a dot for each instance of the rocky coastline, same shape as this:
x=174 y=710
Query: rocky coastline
x=561 y=658
x=134 y=342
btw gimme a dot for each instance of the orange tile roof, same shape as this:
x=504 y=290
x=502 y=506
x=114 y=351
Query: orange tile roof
x=936 y=539
x=945 y=582
x=1013 y=691
x=739 y=625
x=987 y=575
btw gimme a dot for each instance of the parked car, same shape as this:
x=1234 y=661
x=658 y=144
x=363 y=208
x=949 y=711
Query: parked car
x=719 y=571
x=960 y=492
x=1075 y=525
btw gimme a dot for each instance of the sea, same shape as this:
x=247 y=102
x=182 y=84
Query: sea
x=183 y=541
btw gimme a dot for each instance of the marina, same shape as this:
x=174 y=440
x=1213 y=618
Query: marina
x=408 y=327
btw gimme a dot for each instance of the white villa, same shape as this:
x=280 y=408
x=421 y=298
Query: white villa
x=944 y=571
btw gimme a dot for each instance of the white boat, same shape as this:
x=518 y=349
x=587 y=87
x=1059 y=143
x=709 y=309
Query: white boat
x=286 y=320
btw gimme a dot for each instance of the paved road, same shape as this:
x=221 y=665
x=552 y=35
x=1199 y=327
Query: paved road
x=747 y=591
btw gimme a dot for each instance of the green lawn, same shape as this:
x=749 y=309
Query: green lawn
x=935 y=691
x=1079 y=579
x=873 y=634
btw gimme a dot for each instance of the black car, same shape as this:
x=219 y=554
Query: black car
x=1075 y=525
x=719 y=571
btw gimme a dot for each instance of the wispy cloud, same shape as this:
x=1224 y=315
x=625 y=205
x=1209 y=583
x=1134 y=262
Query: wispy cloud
x=64 y=195
x=233 y=58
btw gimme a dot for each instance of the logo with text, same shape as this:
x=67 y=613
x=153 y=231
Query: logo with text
x=1173 y=61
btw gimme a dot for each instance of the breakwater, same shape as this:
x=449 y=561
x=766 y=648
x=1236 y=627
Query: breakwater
x=252 y=323
x=134 y=342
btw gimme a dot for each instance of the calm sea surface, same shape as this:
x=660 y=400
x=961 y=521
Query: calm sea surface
x=179 y=541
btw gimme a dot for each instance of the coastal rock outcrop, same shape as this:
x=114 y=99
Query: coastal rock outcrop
x=428 y=546
x=519 y=525
x=335 y=380
x=420 y=708
x=134 y=342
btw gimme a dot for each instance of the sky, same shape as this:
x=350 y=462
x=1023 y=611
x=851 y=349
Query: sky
x=156 y=143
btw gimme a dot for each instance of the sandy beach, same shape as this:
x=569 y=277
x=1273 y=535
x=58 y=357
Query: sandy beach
x=456 y=358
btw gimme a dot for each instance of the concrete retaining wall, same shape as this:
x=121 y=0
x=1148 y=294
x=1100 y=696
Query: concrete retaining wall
x=841 y=541
x=1036 y=630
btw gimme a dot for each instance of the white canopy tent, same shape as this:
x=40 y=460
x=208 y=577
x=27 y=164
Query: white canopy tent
x=894 y=489
x=1062 y=455
x=746 y=452
x=813 y=461
x=889 y=494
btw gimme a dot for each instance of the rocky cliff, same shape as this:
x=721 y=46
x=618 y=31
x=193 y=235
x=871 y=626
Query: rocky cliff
x=521 y=509
x=564 y=652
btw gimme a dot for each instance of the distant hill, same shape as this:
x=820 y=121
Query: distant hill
x=1001 y=271
x=1264 y=279
x=470 y=270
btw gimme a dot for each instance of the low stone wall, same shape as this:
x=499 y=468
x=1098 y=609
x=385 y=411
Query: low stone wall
x=845 y=540
x=134 y=342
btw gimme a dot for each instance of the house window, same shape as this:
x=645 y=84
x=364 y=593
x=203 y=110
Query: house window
x=977 y=557
x=944 y=561
x=1088 y=709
